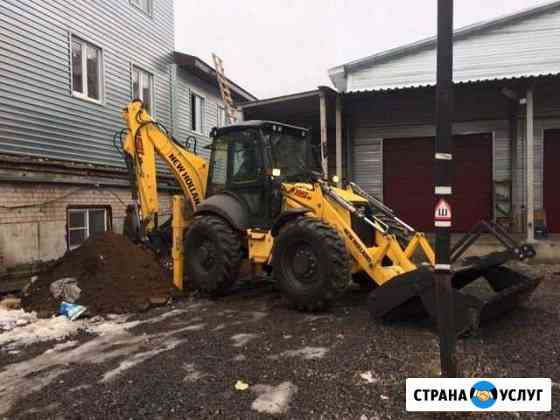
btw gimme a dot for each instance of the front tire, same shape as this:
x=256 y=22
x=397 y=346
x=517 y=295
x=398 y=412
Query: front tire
x=310 y=264
x=212 y=254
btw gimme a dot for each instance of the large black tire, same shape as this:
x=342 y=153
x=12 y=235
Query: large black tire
x=310 y=264
x=212 y=255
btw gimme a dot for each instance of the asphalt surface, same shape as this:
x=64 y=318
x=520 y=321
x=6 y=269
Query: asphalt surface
x=183 y=361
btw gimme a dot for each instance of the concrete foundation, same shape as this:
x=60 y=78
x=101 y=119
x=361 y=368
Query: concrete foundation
x=33 y=218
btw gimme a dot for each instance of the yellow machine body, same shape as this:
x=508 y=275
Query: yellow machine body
x=143 y=142
x=145 y=139
x=368 y=259
x=315 y=236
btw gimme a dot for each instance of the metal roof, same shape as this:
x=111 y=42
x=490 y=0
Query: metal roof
x=289 y=97
x=198 y=67
x=279 y=99
x=273 y=125
x=522 y=44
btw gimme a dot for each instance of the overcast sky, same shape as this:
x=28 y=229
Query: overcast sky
x=277 y=47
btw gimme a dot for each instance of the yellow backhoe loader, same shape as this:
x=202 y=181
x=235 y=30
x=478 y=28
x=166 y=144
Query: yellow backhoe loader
x=259 y=200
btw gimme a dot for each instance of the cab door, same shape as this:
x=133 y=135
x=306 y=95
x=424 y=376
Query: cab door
x=247 y=178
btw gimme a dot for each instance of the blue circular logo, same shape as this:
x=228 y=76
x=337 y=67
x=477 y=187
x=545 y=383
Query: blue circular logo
x=484 y=394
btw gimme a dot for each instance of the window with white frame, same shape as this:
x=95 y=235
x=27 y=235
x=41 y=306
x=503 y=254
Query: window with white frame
x=87 y=69
x=84 y=223
x=144 y=5
x=197 y=113
x=222 y=116
x=143 y=87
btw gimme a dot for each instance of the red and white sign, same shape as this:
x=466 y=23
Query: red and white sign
x=442 y=214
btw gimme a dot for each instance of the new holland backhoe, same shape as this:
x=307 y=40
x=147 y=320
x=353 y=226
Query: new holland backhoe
x=258 y=200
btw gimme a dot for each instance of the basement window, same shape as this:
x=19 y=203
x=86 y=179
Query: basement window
x=143 y=87
x=197 y=113
x=87 y=70
x=144 y=5
x=85 y=222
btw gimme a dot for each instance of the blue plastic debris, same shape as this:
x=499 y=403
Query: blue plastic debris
x=72 y=311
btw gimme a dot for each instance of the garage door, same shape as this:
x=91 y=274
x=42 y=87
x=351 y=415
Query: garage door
x=550 y=179
x=408 y=180
x=368 y=164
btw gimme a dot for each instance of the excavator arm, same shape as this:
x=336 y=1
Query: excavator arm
x=147 y=138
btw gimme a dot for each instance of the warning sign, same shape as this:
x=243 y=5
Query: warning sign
x=443 y=211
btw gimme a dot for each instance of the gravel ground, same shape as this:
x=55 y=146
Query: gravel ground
x=183 y=361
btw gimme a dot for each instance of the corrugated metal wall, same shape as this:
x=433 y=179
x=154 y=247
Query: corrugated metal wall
x=186 y=83
x=523 y=48
x=368 y=164
x=38 y=114
x=547 y=116
x=410 y=114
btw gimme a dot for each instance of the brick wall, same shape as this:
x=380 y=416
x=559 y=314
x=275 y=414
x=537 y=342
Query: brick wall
x=38 y=233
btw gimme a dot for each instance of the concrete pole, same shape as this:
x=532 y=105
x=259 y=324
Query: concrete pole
x=530 y=205
x=339 y=138
x=323 y=115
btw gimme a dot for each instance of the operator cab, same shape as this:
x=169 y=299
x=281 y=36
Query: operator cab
x=250 y=159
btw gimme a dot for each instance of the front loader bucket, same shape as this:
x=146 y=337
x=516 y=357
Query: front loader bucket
x=413 y=294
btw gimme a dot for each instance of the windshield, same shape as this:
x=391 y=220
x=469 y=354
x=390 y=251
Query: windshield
x=289 y=154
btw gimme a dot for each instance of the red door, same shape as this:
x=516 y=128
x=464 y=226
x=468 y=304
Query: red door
x=551 y=177
x=408 y=180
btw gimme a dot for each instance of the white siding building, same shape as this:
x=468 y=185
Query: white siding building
x=68 y=68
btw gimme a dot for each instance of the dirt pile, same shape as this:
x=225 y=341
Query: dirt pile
x=114 y=275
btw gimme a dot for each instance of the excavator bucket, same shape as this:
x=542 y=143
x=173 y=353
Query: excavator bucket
x=413 y=294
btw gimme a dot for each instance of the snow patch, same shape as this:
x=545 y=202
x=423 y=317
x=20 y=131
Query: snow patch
x=113 y=341
x=26 y=329
x=193 y=374
x=307 y=353
x=166 y=315
x=313 y=318
x=240 y=340
x=63 y=346
x=10 y=319
x=137 y=359
x=79 y=388
x=368 y=377
x=219 y=327
x=273 y=399
x=195 y=327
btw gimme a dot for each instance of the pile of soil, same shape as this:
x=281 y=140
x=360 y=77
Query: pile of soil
x=115 y=276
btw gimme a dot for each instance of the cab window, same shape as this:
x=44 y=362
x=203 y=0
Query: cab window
x=245 y=162
x=218 y=166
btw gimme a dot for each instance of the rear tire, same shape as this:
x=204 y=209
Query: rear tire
x=310 y=264
x=212 y=255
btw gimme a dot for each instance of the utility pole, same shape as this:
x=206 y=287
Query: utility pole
x=443 y=188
